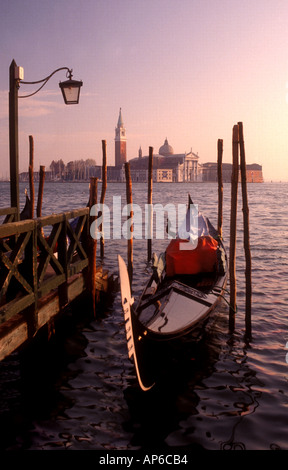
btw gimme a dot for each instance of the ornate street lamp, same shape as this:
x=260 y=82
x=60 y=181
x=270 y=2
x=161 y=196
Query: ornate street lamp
x=70 y=91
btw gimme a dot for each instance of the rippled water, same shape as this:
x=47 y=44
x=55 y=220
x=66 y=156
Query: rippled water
x=79 y=392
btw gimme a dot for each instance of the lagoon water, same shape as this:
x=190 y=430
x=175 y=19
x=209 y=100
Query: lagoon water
x=79 y=392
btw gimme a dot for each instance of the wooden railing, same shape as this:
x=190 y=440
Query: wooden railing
x=9 y=213
x=39 y=256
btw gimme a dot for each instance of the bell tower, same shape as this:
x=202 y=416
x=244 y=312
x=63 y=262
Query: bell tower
x=120 y=142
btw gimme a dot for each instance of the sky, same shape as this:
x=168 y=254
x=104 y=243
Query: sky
x=185 y=70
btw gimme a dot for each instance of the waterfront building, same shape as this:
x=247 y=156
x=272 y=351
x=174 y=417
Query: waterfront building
x=209 y=170
x=168 y=166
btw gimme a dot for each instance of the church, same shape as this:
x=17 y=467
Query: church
x=167 y=166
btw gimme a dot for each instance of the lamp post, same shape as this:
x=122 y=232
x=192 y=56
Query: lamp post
x=70 y=91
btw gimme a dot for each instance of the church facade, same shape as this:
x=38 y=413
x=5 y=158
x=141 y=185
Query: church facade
x=167 y=166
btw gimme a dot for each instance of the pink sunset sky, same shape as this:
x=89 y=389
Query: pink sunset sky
x=187 y=70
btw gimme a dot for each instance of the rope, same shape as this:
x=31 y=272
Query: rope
x=214 y=291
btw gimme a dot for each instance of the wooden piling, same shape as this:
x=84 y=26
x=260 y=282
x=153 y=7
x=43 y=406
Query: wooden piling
x=220 y=185
x=31 y=175
x=103 y=192
x=129 y=236
x=233 y=226
x=150 y=212
x=92 y=244
x=247 y=251
x=40 y=191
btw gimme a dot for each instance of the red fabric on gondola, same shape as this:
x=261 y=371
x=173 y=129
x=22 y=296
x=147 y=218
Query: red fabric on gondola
x=202 y=259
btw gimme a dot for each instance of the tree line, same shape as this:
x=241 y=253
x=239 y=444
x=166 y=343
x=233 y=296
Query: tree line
x=74 y=170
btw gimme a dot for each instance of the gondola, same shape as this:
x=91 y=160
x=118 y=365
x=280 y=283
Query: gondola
x=27 y=209
x=186 y=284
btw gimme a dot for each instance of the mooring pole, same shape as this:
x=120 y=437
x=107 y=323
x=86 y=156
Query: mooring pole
x=248 y=268
x=40 y=191
x=233 y=225
x=130 y=235
x=150 y=211
x=103 y=192
x=220 y=186
x=92 y=244
x=31 y=174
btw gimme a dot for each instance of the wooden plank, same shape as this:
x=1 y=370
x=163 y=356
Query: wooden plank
x=78 y=266
x=8 y=210
x=15 y=228
x=55 y=272
x=76 y=288
x=48 y=310
x=12 y=262
x=15 y=331
x=50 y=219
x=74 y=236
x=17 y=305
x=53 y=219
x=50 y=284
x=14 y=338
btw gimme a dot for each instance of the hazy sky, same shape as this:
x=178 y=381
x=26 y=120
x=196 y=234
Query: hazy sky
x=187 y=70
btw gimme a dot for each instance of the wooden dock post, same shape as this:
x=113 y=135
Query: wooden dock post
x=103 y=192
x=130 y=236
x=31 y=175
x=233 y=225
x=40 y=191
x=150 y=211
x=92 y=244
x=246 y=231
x=220 y=185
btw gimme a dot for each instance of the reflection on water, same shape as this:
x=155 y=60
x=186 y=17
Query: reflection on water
x=80 y=391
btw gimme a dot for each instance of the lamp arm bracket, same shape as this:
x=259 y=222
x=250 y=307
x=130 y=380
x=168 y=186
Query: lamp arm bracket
x=45 y=80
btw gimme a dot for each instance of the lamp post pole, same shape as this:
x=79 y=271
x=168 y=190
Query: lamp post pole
x=70 y=90
x=13 y=140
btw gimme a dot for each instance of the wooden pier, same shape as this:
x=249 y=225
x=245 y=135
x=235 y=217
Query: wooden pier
x=44 y=266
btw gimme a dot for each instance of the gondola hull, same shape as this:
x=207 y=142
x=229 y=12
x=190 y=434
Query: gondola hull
x=152 y=344
x=171 y=309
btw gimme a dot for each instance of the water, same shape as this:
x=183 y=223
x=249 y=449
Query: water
x=79 y=392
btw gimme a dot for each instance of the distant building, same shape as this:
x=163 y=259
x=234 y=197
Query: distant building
x=253 y=172
x=168 y=167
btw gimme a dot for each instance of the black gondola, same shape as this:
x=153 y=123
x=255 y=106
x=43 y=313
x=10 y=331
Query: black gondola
x=187 y=282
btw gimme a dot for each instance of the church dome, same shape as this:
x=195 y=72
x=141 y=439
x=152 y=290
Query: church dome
x=166 y=149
